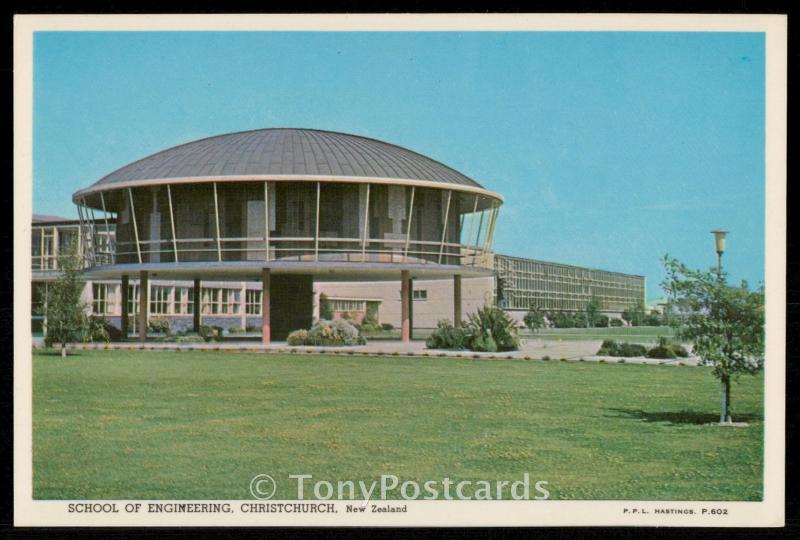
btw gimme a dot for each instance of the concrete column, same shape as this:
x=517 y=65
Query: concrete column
x=457 y=300
x=405 y=306
x=410 y=308
x=196 y=307
x=144 y=293
x=265 y=327
x=123 y=319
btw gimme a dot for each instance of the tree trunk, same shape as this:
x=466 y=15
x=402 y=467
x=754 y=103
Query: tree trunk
x=725 y=401
x=63 y=350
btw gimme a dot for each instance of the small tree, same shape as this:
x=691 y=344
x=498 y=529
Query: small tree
x=534 y=319
x=66 y=313
x=592 y=311
x=634 y=316
x=725 y=324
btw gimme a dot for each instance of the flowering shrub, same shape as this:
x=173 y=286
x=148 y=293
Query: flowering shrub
x=327 y=333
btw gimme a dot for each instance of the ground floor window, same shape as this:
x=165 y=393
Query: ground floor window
x=102 y=298
x=133 y=299
x=184 y=300
x=420 y=294
x=253 y=302
x=159 y=300
x=338 y=304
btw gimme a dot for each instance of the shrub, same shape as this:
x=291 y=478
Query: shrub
x=298 y=337
x=632 y=349
x=679 y=350
x=446 y=336
x=492 y=330
x=336 y=332
x=665 y=350
x=612 y=348
x=159 y=326
x=387 y=326
x=101 y=329
x=235 y=330
x=534 y=319
x=601 y=321
x=616 y=322
x=210 y=333
x=251 y=328
x=190 y=338
x=95 y=330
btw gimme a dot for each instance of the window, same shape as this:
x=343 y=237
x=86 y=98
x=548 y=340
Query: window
x=209 y=299
x=338 y=304
x=420 y=294
x=100 y=298
x=159 y=300
x=133 y=299
x=235 y=299
x=184 y=300
x=253 y=302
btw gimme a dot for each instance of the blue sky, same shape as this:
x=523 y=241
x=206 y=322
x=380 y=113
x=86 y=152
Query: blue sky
x=611 y=149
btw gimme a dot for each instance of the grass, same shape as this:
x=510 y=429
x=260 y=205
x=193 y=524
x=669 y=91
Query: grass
x=189 y=425
x=635 y=334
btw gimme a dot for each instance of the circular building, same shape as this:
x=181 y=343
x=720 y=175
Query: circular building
x=288 y=206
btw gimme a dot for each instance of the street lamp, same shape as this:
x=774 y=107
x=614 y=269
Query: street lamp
x=719 y=240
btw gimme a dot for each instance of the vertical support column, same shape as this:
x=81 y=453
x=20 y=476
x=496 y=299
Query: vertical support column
x=216 y=221
x=410 y=308
x=135 y=227
x=316 y=228
x=366 y=229
x=123 y=319
x=405 y=306
x=243 y=304
x=196 y=307
x=457 y=300
x=444 y=227
x=171 y=223
x=408 y=226
x=265 y=315
x=266 y=221
x=144 y=293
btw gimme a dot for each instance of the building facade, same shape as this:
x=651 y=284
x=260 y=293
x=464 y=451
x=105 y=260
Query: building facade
x=551 y=287
x=287 y=208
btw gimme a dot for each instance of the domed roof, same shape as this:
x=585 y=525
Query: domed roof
x=284 y=151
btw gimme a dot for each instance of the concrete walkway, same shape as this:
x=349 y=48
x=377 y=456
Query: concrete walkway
x=531 y=349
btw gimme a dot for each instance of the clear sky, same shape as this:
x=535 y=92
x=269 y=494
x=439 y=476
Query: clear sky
x=611 y=149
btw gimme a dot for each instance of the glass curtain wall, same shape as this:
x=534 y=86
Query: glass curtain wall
x=308 y=221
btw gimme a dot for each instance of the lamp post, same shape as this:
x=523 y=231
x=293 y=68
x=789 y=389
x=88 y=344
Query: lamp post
x=719 y=240
x=725 y=394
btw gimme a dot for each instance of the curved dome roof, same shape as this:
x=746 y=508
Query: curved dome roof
x=285 y=151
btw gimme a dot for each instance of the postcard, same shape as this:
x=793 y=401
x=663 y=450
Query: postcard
x=404 y=270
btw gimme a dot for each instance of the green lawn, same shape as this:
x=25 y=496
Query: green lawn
x=634 y=334
x=190 y=425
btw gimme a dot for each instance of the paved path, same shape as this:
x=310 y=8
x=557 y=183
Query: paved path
x=531 y=349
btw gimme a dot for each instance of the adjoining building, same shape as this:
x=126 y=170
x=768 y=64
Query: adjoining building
x=286 y=207
x=552 y=287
